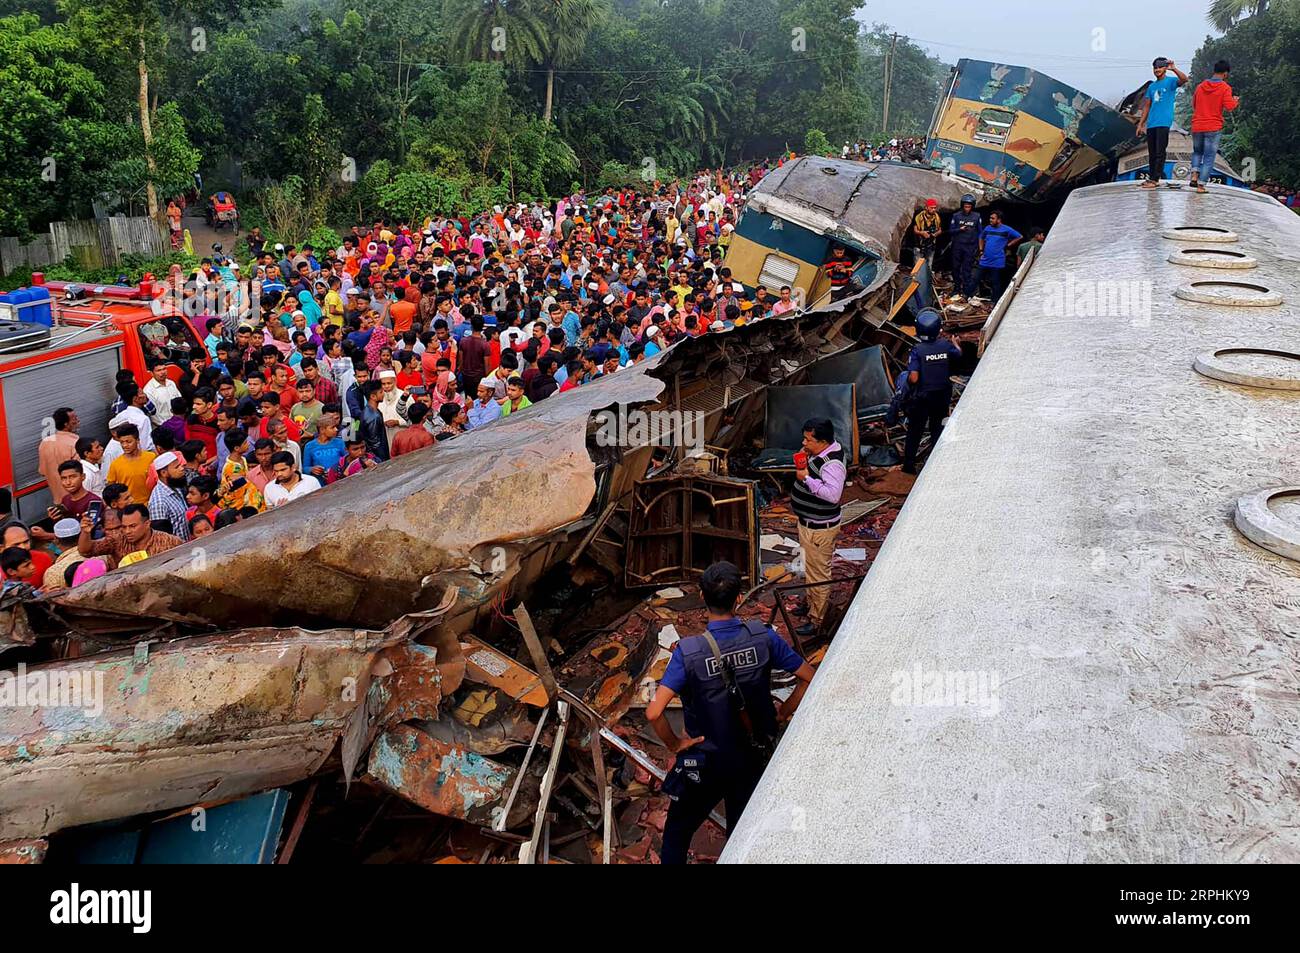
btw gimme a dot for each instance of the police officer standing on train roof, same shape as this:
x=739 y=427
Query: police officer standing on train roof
x=724 y=680
x=964 y=227
x=929 y=370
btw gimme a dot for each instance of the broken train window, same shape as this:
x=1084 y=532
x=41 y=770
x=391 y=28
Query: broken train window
x=994 y=126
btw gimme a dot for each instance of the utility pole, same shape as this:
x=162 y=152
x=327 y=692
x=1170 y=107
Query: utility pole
x=889 y=82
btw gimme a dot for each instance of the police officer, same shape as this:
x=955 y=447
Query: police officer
x=929 y=369
x=964 y=227
x=723 y=678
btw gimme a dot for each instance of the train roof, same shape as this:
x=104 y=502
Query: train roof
x=866 y=205
x=1180 y=152
x=1065 y=650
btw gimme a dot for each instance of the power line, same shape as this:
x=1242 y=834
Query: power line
x=636 y=71
x=1073 y=61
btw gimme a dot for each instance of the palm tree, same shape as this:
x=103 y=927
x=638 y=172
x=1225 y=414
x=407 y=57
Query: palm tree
x=525 y=33
x=568 y=24
x=693 y=105
x=1224 y=13
x=506 y=31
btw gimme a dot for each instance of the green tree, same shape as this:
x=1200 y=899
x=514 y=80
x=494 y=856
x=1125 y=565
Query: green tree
x=137 y=31
x=174 y=160
x=55 y=134
x=502 y=31
x=816 y=143
x=1224 y=13
x=1263 y=133
x=567 y=25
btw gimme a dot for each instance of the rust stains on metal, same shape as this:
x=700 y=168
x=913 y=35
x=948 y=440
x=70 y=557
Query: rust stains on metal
x=207 y=718
x=28 y=851
x=491 y=666
x=604 y=673
x=439 y=777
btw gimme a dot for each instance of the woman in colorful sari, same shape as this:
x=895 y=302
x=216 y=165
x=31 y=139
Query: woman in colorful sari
x=380 y=338
x=237 y=489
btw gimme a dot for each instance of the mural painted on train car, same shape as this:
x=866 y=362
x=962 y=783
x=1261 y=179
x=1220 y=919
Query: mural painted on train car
x=1022 y=131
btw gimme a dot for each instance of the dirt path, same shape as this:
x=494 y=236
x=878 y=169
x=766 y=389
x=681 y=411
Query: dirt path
x=203 y=237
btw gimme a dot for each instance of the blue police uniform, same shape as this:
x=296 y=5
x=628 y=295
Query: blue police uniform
x=726 y=765
x=964 y=227
x=902 y=398
x=932 y=394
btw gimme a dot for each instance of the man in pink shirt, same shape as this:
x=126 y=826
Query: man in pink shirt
x=57 y=447
x=784 y=303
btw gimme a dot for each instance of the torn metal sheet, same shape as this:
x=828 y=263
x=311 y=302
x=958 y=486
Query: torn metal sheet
x=387 y=542
x=604 y=673
x=15 y=630
x=28 y=851
x=506 y=726
x=866 y=207
x=491 y=666
x=442 y=778
x=201 y=719
x=362 y=549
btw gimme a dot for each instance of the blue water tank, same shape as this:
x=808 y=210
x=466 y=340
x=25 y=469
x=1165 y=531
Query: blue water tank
x=39 y=312
x=15 y=298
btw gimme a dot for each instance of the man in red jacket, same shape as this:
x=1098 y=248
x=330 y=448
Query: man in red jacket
x=1212 y=98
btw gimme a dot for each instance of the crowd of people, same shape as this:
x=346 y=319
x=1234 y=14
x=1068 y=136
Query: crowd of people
x=404 y=335
x=893 y=149
x=1287 y=195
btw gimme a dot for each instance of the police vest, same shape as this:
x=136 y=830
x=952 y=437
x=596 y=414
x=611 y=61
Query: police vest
x=966 y=229
x=806 y=504
x=936 y=366
x=707 y=710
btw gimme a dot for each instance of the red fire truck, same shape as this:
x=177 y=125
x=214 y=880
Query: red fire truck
x=96 y=331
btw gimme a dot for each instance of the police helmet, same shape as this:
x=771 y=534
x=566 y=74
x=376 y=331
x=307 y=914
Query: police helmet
x=968 y=199
x=928 y=325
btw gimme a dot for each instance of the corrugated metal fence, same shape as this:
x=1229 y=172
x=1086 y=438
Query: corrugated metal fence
x=93 y=243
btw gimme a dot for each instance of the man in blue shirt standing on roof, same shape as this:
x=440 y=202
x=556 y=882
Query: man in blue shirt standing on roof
x=723 y=678
x=995 y=241
x=1158 y=115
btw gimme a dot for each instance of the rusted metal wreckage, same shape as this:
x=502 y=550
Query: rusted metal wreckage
x=485 y=514
x=352 y=630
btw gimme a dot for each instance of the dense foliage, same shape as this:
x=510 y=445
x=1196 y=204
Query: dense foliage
x=419 y=106
x=1264 y=51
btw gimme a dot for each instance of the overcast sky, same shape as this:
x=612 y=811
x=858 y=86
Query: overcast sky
x=1055 y=36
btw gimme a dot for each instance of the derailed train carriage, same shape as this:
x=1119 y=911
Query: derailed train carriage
x=1078 y=641
x=215 y=659
x=1021 y=133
